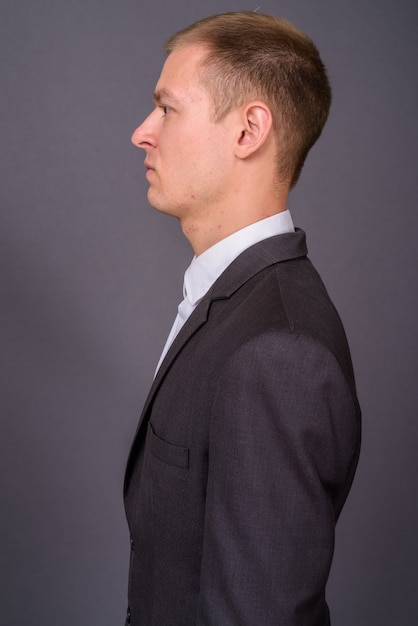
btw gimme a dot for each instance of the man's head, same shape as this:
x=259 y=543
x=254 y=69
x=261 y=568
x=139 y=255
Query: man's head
x=257 y=56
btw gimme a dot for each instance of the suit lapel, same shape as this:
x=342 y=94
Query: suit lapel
x=192 y=325
x=255 y=259
x=195 y=321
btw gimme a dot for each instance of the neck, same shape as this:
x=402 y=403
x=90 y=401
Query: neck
x=206 y=228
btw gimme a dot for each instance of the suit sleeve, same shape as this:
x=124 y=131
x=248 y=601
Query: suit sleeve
x=282 y=451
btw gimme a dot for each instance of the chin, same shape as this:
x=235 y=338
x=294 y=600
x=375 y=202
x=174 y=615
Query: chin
x=160 y=205
x=153 y=200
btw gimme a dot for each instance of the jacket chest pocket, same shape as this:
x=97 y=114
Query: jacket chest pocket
x=169 y=453
x=172 y=494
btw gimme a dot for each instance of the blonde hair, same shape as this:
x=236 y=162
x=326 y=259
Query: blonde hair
x=259 y=56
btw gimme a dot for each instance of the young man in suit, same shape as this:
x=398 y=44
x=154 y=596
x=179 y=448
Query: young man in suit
x=249 y=439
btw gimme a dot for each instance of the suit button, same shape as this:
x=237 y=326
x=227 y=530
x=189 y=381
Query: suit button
x=128 y=617
x=132 y=544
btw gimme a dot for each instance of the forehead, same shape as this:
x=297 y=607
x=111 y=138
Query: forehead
x=179 y=77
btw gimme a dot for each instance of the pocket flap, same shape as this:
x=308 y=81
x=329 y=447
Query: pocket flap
x=169 y=453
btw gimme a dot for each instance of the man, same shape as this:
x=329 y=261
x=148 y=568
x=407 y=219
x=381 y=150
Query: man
x=249 y=439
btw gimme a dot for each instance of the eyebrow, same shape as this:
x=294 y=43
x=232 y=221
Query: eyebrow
x=164 y=94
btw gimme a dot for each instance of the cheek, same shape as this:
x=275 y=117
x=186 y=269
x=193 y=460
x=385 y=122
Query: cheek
x=190 y=155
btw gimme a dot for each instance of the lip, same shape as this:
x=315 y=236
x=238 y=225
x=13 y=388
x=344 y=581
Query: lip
x=148 y=168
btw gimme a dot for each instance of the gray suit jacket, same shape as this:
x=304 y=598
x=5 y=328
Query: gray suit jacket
x=245 y=452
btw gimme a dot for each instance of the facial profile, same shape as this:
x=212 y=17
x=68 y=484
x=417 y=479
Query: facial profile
x=186 y=149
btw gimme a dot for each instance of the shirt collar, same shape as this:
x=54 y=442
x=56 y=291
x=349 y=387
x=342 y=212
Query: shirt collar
x=206 y=268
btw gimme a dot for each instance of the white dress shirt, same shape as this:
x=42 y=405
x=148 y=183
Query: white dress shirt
x=206 y=268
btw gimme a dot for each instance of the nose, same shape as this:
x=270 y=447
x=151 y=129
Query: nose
x=145 y=135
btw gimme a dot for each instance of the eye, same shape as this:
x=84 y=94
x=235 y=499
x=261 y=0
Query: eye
x=165 y=110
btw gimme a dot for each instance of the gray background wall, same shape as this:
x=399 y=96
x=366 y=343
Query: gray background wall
x=91 y=277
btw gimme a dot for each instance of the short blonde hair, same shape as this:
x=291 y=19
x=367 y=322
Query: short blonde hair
x=259 y=56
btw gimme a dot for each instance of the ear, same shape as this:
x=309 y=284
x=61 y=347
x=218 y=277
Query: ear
x=255 y=128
